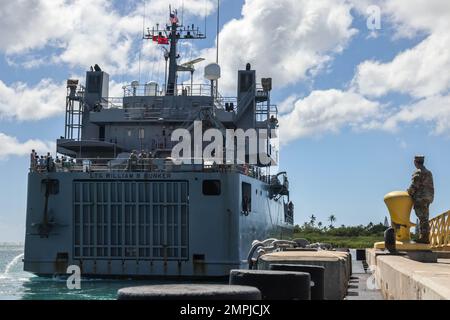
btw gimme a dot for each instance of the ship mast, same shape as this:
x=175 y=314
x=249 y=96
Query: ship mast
x=173 y=33
x=173 y=54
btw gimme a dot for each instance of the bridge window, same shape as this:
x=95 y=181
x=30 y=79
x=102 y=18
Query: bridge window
x=212 y=187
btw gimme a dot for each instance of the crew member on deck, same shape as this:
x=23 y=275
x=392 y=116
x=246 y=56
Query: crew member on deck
x=422 y=192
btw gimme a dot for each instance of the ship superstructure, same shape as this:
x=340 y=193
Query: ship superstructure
x=116 y=204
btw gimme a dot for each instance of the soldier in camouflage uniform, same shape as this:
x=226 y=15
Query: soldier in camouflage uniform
x=422 y=193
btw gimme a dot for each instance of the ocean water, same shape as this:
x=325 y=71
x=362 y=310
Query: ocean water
x=15 y=284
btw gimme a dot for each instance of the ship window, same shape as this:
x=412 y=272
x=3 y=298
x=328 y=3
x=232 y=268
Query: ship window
x=211 y=187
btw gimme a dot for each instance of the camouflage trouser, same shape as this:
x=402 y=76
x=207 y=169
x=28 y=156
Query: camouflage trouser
x=423 y=212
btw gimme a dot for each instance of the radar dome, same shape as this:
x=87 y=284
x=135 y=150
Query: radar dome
x=212 y=72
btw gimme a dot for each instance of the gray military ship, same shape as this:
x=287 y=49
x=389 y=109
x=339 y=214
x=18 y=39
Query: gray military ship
x=116 y=204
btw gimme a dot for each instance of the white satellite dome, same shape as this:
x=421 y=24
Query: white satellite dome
x=212 y=72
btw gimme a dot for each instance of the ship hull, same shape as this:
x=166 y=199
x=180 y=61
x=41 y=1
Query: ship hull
x=130 y=224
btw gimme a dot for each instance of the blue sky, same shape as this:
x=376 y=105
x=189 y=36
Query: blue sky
x=357 y=104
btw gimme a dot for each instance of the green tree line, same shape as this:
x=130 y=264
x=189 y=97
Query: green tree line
x=361 y=236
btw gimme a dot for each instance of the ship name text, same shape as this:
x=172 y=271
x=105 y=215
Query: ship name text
x=131 y=176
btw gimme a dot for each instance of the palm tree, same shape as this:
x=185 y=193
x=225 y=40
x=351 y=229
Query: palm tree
x=313 y=220
x=332 y=219
x=319 y=224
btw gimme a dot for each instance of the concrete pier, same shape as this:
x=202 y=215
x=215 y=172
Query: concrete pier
x=401 y=278
x=337 y=267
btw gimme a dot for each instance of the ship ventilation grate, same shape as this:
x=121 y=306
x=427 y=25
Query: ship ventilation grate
x=127 y=220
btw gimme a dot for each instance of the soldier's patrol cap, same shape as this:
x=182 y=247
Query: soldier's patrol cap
x=419 y=158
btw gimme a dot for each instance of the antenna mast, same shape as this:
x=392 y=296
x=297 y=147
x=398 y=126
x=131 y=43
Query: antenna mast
x=143 y=35
x=217 y=49
x=218 y=30
x=143 y=19
x=170 y=35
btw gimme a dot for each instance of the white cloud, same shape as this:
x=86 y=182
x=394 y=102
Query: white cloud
x=409 y=17
x=415 y=16
x=116 y=89
x=285 y=39
x=11 y=146
x=327 y=111
x=82 y=32
x=419 y=72
x=287 y=105
x=434 y=111
x=28 y=24
x=22 y=102
x=422 y=70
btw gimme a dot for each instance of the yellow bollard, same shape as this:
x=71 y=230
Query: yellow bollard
x=400 y=204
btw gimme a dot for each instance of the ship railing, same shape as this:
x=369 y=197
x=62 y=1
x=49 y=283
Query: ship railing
x=157 y=143
x=266 y=112
x=227 y=103
x=112 y=103
x=181 y=90
x=440 y=232
x=150 y=165
x=138 y=112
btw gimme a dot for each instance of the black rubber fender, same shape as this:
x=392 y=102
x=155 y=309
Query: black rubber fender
x=317 y=274
x=189 y=292
x=275 y=285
